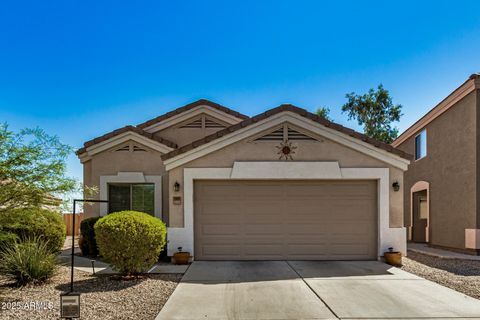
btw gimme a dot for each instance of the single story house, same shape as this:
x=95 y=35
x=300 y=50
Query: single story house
x=441 y=186
x=283 y=185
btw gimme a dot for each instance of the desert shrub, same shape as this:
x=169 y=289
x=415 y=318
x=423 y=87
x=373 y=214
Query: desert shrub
x=7 y=238
x=131 y=241
x=28 y=260
x=27 y=223
x=88 y=243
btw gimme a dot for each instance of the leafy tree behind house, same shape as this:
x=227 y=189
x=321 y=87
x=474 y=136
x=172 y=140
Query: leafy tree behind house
x=374 y=111
x=323 y=112
x=32 y=168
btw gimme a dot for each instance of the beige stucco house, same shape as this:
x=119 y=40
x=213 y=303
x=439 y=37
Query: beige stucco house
x=442 y=190
x=285 y=184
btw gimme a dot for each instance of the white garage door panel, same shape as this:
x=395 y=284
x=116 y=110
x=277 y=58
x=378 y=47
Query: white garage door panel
x=272 y=220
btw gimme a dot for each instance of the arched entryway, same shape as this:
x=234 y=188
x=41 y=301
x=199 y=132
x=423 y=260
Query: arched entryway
x=419 y=212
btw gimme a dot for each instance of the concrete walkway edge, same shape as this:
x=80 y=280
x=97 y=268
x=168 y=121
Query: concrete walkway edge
x=424 y=248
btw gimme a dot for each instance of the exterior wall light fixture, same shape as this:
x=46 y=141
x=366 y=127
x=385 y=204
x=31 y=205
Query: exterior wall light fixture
x=176 y=186
x=396 y=186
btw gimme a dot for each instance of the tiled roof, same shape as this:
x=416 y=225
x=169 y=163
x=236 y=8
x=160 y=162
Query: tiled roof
x=123 y=130
x=299 y=111
x=190 y=106
x=139 y=128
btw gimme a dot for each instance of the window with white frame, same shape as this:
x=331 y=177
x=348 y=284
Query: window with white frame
x=421 y=145
x=128 y=196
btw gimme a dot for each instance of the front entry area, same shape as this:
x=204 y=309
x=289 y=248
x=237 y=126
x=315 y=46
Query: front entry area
x=285 y=220
x=420 y=216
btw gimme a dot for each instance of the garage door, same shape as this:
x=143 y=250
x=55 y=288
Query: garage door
x=291 y=220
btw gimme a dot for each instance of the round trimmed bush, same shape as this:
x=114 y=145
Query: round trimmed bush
x=131 y=241
x=27 y=223
x=88 y=243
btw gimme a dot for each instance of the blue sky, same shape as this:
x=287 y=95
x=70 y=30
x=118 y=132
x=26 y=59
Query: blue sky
x=79 y=69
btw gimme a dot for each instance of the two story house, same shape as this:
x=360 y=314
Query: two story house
x=442 y=184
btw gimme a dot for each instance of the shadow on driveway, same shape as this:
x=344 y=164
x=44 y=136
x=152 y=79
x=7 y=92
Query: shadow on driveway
x=311 y=290
x=215 y=272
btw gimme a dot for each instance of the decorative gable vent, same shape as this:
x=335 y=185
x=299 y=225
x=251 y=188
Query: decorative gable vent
x=129 y=148
x=212 y=124
x=283 y=134
x=295 y=135
x=195 y=124
x=276 y=135
x=138 y=149
x=124 y=148
x=203 y=122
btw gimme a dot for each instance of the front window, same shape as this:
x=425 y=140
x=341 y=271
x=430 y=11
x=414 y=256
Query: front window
x=137 y=197
x=421 y=145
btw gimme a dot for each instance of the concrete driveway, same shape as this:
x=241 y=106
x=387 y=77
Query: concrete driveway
x=311 y=290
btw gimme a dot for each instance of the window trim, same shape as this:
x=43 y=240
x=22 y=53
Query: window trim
x=132 y=177
x=130 y=185
x=415 y=144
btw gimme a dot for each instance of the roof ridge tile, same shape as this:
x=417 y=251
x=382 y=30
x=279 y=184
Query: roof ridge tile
x=124 y=129
x=299 y=111
x=191 y=106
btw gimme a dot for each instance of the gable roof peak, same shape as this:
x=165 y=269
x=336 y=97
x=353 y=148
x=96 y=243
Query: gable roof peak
x=203 y=101
x=470 y=85
x=287 y=108
x=127 y=128
x=190 y=106
x=140 y=129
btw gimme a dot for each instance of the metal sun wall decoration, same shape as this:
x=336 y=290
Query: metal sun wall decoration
x=286 y=150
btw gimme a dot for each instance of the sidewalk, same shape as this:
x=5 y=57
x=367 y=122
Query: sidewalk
x=440 y=253
x=85 y=264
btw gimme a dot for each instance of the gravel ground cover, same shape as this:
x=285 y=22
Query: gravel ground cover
x=102 y=297
x=460 y=275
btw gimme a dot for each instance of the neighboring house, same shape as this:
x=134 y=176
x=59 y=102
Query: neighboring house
x=285 y=184
x=49 y=201
x=442 y=191
x=52 y=203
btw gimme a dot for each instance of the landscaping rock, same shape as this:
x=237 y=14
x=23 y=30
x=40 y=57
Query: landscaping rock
x=102 y=297
x=460 y=275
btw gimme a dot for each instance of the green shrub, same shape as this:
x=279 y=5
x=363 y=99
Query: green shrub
x=29 y=260
x=131 y=241
x=88 y=243
x=7 y=238
x=27 y=223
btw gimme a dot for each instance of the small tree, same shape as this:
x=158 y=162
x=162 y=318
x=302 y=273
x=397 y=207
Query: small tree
x=32 y=168
x=375 y=111
x=324 y=112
